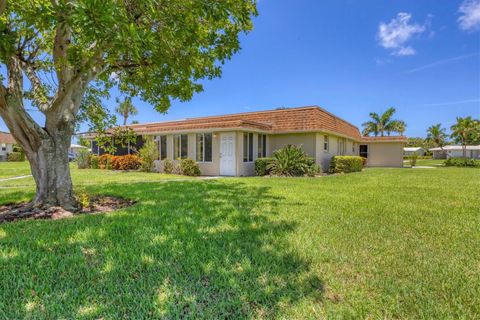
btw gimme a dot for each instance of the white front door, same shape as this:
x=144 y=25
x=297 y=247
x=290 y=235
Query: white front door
x=227 y=154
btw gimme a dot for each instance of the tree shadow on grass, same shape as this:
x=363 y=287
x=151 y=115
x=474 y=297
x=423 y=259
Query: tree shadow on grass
x=211 y=249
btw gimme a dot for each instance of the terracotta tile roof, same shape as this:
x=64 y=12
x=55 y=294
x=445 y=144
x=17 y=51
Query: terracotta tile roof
x=275 y=121
x=6 y=137
x=385 y=139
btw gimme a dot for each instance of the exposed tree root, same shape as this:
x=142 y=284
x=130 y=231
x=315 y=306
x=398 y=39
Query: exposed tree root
x=28 y=210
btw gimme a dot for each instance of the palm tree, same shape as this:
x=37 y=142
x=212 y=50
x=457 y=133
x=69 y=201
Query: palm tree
x=126 y=109
x=466 y=131
x=383 y=123
x=437 y=135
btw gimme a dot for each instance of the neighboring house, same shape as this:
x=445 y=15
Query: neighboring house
x=408 y=151
x=6 y=145
x=229 y=144
x=455 y=152
x=75 y=148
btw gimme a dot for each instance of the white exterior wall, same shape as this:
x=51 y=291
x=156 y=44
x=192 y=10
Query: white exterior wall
x=3 y=153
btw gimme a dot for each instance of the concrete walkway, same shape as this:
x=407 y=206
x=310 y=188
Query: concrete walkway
x=15 y=178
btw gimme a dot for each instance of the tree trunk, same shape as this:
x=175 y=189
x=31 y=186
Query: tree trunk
x=47 y=151
x=51 y=171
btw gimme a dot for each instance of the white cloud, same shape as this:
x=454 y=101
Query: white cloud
x=397 y=33
x=470 y=18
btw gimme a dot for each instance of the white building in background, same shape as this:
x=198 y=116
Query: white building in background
x=408 y=151
x=473 y=152
x=6 y=145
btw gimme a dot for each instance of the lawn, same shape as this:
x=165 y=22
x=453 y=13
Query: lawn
x=426 y=162
x=384 y=243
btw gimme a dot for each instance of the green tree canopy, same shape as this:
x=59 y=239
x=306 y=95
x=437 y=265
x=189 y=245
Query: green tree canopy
x=65 y=55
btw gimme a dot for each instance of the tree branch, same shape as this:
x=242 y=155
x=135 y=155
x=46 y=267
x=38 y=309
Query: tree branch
x=62 y=40
x=39 y=94
x=3 y=5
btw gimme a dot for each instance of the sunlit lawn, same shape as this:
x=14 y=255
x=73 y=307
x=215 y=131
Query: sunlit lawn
x=427 y=162
x=384 y=243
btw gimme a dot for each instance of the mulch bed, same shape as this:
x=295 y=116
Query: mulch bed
x=98 y=204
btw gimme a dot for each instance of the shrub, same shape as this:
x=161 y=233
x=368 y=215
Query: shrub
x=126 y=162
x=189 y=167
x=83 y=159
x=16 y=157
x=261 y=166
x=346 y=164
x=291 y=161
x=413 y=159
x=461 y=162
x=94 y=162
x=148 y=154
x=168 y=166
x=104 y=161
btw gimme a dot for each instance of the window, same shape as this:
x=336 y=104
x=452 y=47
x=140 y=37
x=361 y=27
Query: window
x=162 y=147
x=325 y=143
x=204 y=147
x=262 y=146
x=180 y=146
x=364 y=150
x=353 y=147
x=341 y=146
x=247 y=147
x=4 y=147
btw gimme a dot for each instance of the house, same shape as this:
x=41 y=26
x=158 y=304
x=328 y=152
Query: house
x=229 y=144
x=408 y=151
x=6 y=145
x=75 y=148
x=473 y=152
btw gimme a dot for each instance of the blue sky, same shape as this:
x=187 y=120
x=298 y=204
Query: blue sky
x=352 y=58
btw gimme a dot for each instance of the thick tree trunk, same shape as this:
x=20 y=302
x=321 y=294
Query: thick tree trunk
x=50 y=169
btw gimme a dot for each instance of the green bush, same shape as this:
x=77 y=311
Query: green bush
x=95 y=162
x=292 y=161
x=16 y=157
x=83 y=159
x=461 y=162
x=346 y=164
x=261 y=166
x=167 y=166
x=189 y=167
x=148 y=154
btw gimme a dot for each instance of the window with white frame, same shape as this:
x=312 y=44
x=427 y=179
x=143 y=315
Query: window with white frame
x=325 y=143
x=247 y=147
x=204 y=147
x=262 y=145
x=162 y=147
x=341 y=146
x=180 y=146
x=4 y=147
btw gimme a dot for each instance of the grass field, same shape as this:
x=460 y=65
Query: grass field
x=426 y=162
x=384 y=243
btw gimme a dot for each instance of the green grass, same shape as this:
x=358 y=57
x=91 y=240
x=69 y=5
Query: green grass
x=384 y=243
x=14 y=169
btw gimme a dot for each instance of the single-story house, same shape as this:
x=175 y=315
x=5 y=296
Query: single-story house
x=75 y=148
x=229 y=144
x=408 y=151
x=473 y=152
x=6 y=145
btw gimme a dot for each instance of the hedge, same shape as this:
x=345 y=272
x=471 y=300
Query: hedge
x=461 y=162
x=16 y=157
x=261 y=166
x=346 y=164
